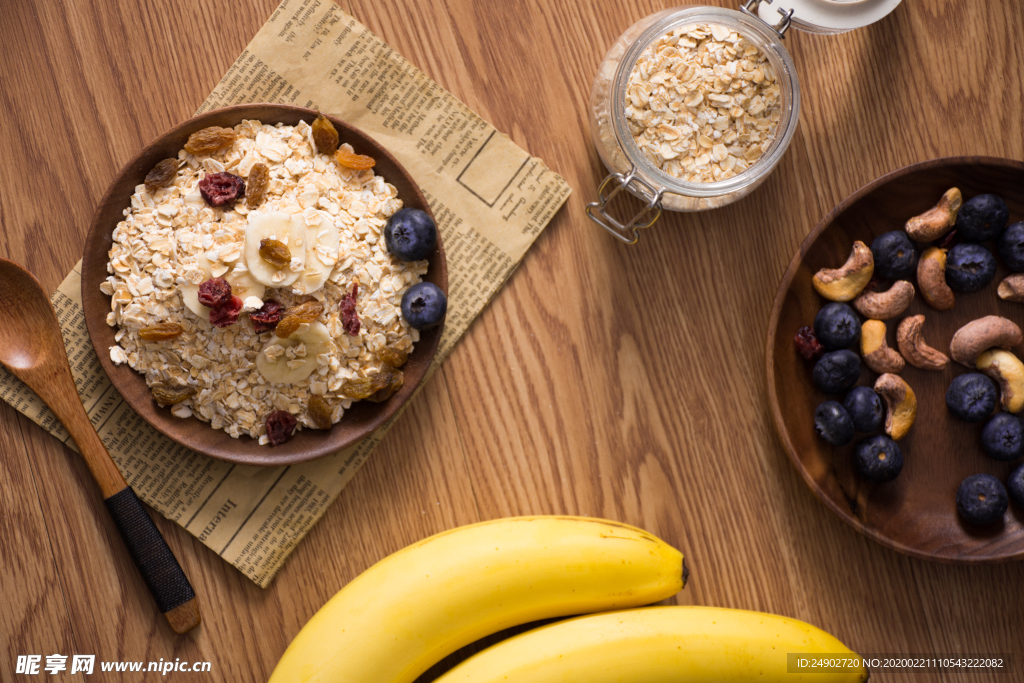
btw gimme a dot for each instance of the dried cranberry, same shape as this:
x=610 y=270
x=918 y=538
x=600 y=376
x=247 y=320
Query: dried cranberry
x=214 y=292
x=807 y=344
x=221 y=188
x=948 y=241
x=280 y=427
x=267 y=317
x=226 y=314
x=349 y=317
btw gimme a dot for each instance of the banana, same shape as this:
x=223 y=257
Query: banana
x=243 y=284
x=287 y=228
x=285 y=370
x=411 y=609
x=657 y=645
x=327 y=237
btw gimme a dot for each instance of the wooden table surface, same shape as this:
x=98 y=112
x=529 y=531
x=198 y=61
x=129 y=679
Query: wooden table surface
x=604 y=380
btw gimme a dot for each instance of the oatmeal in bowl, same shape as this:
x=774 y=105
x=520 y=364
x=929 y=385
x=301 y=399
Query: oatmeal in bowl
x=249 y=281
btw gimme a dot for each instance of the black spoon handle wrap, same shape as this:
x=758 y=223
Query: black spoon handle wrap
x=160 y=569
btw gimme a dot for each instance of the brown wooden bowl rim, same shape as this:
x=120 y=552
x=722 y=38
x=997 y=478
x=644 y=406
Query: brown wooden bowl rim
x=773 y=399
x=307 y=444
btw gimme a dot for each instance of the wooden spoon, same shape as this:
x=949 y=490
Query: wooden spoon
x=32 y=348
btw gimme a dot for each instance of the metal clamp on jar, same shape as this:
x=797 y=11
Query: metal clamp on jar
x=761 y=24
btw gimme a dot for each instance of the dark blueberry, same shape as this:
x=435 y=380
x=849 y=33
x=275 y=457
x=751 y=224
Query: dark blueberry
x=865 y=409
x=969 y=267
x=1015 y=485
x=836 y=372
x=1011 y=247
x=833 y=423
x=410 y=234
x=972 y=397
x=836 y=326
x=895 y=258
x=1003 y=437
x=981 y=499
x=878 y=458
x=982 y=218
x=424 y=305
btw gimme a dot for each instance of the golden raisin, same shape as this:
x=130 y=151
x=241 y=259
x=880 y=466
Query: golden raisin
x=275 y=253
x=168 y=396
x=365 y=387
x=210 y=140
x=303 y=313
x=393 y=357
x=319 y=412
x=161 y=175
x=256 y=185
x=359 y=162
x=395 y=382
x=161 y=331
x=325 y=136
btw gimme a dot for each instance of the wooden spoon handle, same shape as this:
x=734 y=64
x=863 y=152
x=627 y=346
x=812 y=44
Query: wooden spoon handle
x=157 y=564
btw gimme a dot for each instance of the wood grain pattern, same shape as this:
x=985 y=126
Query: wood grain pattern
x=603 y=380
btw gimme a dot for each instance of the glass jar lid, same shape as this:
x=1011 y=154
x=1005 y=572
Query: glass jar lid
x=821 y=16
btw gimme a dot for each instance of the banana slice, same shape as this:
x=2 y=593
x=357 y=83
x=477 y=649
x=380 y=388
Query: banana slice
x=190 y=292
x=283 y=370
x=328 y=239
x=242 y=283
x=287 y=228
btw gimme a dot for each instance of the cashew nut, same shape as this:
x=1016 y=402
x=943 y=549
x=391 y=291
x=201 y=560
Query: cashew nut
x=900 y=404
x=931 y=278
x=980 y=335
x=885 y=305
x=843 y=284
x=1012 y=288
x=1008 y=371
x=878 y=355
x=937 y=221
x=910 y=340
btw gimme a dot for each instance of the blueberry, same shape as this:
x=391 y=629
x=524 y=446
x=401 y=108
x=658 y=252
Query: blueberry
x=1003 y=437
x=833 y=423
x=837 y=371
x=878 y=458
x=981 y=499
x=969 y=267
x=971 y=397
x=424 y=305
x=836 y=326
x=895 y=258
x=865 y=409
x=410 y=234
x=1015 y=485
x=1011 y=247
x=982 y=218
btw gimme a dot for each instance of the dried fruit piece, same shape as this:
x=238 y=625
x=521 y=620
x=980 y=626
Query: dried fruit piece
x=397 y=379
x=359 y=162
x=280 y=427
x=221 y=188
x=226 y=314
x=168 y=396
x=160 y=331
x=267 y=317
x=325 y=136
x=319 y=412
x=275 y=253
x=256 y=185
x=365 y=387
x=210 y=140
x=214 y=292
x=303 y=313
x=161 y=175
x=807 y=344
x=349 y=317
x=393 y=357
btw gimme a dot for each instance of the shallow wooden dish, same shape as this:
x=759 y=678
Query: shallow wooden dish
x=359 y=421
x=916 y=513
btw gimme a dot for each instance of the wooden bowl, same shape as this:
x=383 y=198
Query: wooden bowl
x=360 y=420
x=916 y=513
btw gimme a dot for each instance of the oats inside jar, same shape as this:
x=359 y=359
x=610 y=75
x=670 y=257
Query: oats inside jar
x=703 y=103
x=187 y=257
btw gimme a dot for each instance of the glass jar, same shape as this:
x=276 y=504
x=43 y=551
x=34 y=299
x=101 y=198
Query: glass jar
x=632 y=170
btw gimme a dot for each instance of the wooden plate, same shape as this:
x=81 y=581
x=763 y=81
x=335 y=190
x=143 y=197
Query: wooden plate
x=359 y=421
x=916 y=513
